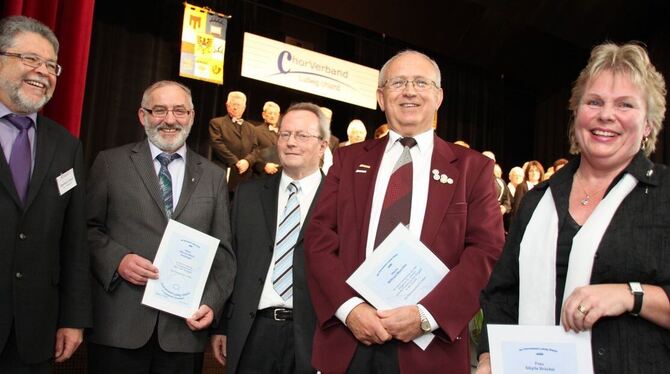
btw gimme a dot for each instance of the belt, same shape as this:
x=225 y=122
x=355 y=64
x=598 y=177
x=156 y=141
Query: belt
x=277 y=314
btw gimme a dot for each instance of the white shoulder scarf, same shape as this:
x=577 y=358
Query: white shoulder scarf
x=537 y=254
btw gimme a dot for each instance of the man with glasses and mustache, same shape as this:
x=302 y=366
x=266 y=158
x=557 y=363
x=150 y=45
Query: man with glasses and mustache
x=443 y=193
x=269 y=324
x=44 y=277
x=132 y=192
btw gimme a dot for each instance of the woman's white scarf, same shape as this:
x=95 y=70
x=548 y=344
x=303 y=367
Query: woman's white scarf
x=537 y=254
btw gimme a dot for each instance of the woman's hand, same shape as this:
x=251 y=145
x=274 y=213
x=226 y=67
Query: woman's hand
x=484 y=365
x=586 y=305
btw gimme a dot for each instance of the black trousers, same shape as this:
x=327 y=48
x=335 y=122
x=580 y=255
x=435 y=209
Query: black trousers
x=376 y=358
x=269 y=348
x=149 y=359
x=10 y=362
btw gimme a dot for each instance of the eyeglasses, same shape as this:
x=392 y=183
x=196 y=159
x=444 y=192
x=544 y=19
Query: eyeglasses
x=420 y=84
x=163 y=112
x=35 y=61
x=299 y=137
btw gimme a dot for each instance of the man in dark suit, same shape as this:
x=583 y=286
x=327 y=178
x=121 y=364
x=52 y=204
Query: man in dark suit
x=233 y=141
x=448 y=201
x=267 y=162
x=132 y=192
x=270 y=321
x=44 y=289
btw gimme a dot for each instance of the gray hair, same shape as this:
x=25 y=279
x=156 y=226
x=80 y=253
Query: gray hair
x=324 y=123
x=237 y=95
x=163 y=83
x=271 y=104
x=382 y=72
x=10 y=27
x=356 y=124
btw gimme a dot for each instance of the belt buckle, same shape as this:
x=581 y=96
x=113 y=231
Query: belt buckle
x=275 y=314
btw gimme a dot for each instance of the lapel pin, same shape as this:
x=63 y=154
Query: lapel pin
x=192 y=179
x=366 y=166
x=361 y=171
x=650 y=172
x=436 y=177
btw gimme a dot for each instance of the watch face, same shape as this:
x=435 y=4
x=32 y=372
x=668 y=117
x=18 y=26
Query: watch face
x=635 y=287
x=425 y=325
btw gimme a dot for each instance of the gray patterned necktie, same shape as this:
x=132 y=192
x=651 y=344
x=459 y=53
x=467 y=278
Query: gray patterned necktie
x=165 y=180
x=287 y=236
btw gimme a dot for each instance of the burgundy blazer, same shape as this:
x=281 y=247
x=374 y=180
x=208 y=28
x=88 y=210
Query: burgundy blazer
x=462 y=226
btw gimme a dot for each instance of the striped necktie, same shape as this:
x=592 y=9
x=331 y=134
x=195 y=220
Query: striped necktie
x=165 y=180
x=398 y=199
x=287 y=236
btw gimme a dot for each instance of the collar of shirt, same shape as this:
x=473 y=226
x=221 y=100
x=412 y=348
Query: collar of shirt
x=424 y=141
x=5 y=111
x=308 y=185
x=155 y=151
x=238 y=121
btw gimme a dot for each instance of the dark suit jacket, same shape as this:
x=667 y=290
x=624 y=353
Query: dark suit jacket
x=44 y=276
x=126 y=214
x=267 y=148
x=462 y=226
x=230 y=143
x=254 y=224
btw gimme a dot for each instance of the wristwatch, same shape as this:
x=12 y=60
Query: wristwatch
x=425 y=324
x=638 y=292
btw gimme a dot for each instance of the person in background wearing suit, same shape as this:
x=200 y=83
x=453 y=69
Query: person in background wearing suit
x=233 y=140
x=267 y=162
x=449 y=203
x=270 y=321
x=45 y=299
x=132 y=192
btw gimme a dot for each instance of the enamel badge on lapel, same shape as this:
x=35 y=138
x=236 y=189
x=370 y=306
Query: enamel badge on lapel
x=442 y=178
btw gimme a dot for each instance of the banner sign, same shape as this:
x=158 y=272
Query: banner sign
x=203 y=42
x=289 y=66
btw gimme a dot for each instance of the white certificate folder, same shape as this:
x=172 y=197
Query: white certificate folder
x=184 y=258
x=518 y=349
x=401 y=271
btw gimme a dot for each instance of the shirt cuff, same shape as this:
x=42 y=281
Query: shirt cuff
x=431 y=320
x=343 y=311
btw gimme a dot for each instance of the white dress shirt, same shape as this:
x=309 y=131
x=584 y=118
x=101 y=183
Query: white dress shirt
x=308 y=186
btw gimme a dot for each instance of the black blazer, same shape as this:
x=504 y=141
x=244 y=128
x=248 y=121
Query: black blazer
x=44 y=263
x=254 y=222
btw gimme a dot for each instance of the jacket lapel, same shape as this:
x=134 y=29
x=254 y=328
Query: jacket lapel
x=140 y=156
x=309 y=211
x=44 y=154
x=269 y=205
x=365 y=172
x=192 y=174
x=6 y=180
x=442 y=161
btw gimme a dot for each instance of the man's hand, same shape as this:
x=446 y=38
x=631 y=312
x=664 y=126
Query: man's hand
x=242 y=166
x=366 y=326
x=201 y=319
x=67 y=341
x=271 y=168
x=219 y=346
x=404 y=323
x=137 y=269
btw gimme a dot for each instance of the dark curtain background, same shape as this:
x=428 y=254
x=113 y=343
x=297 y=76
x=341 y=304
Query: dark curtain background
x=136 y=43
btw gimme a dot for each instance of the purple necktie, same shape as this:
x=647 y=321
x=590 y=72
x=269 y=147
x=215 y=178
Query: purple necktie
x=20 y=157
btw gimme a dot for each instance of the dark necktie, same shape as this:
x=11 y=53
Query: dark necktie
x=398 y=199
x=287 y=235
x=165 y=180
x=21 y=155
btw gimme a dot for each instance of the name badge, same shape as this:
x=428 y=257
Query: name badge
x=66 y=181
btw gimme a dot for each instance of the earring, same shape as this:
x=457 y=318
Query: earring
x=645 y=142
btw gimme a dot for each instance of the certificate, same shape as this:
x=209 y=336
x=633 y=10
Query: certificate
x=401 y=271
x=519 y=349
x=184 y=258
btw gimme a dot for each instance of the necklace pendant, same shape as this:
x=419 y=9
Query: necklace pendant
x=585 y=200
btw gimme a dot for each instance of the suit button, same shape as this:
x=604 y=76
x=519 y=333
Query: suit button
x=260 y=281
x=601 y=351
x=22 y=236
x=18 y=275
x=252 y=314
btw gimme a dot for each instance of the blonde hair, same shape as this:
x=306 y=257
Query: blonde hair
x=631 y=59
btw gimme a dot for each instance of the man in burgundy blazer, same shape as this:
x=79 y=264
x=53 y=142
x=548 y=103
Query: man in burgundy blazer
x=454 y=212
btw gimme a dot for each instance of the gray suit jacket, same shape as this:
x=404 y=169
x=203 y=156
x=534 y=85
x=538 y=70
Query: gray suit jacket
x=254 y=224
x=125 y=215
x=43 y=257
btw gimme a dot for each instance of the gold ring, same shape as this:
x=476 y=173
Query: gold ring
x=582 y=309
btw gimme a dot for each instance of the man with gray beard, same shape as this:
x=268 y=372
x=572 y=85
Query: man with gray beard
x=132 y=193
x=44 y=289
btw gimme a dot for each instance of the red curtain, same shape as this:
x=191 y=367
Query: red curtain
x=72 y=22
